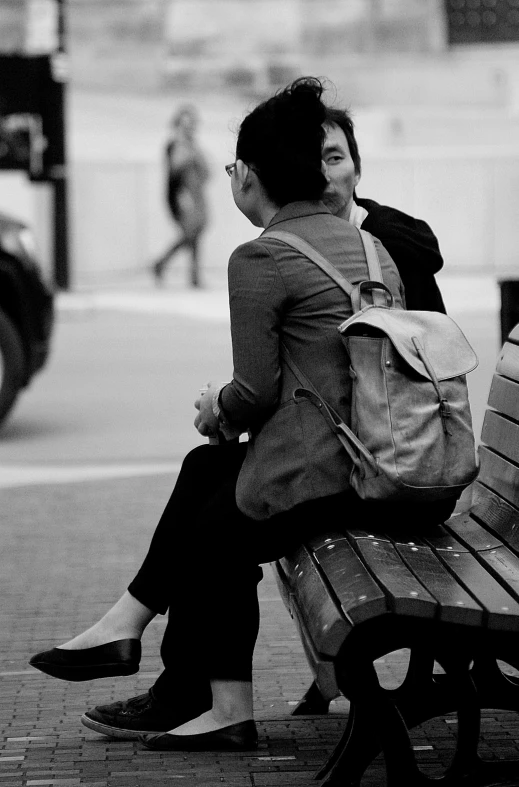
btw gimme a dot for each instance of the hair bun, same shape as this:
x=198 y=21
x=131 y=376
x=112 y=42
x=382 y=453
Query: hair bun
x=282 y=139
x=302 y=100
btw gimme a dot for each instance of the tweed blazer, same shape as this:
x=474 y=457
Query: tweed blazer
x=277 y=295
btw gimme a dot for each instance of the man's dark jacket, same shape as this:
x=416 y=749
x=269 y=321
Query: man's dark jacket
x=414 y=249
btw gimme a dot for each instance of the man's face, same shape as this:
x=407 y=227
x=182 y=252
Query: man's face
x=340 y=171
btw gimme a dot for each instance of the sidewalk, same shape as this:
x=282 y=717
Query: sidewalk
x=462 y=294
x=60 y=573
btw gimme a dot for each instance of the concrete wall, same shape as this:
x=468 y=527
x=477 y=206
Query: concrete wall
x=119 y=222
x=469 y=198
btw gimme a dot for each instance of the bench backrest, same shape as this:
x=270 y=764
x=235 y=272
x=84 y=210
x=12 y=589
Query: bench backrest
x=496 y=492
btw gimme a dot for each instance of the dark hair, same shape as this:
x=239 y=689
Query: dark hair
x=342 y=118
x=282 y=140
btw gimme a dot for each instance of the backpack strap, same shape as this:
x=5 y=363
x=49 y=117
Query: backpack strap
x=370 y=251
x=350 y=442
x=308 y=251
x=375 y=272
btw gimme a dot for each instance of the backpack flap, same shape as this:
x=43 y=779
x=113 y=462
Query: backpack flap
x=441 y=339
x=410 y=405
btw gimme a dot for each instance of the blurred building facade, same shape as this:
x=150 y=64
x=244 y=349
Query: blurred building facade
x=257 y=45
x=434 y=86
x=380 y=52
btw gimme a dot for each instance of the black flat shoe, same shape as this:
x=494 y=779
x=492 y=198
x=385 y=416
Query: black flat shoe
x=104 y=661
x=236 y=737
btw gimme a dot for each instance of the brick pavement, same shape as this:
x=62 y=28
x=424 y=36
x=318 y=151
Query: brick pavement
x=67 y=553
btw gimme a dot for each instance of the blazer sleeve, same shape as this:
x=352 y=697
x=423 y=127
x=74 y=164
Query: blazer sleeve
x=257 y=298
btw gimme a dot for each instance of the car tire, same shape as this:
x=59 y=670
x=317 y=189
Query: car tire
x=12 y=365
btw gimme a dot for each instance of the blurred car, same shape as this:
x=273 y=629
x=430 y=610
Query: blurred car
x=26 y=312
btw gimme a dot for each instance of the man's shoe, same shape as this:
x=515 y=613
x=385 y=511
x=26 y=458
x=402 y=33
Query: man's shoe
x=104 y=661
x=235 y=737
x=140 y=715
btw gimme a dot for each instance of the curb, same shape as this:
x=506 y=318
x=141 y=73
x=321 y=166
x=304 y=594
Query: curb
x=462 y=294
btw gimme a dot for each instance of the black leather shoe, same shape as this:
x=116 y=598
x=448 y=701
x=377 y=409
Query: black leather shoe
x=242 y=736
x=142 y=715
x=104 y=661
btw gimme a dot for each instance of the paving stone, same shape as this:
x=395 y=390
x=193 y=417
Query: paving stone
x=59 y=573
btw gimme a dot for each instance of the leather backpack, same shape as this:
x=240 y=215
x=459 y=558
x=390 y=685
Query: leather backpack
x=410 y=435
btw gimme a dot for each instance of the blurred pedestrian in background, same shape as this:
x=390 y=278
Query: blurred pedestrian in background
x=186 y=173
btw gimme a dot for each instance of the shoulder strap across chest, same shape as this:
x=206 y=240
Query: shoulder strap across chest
x=375 y=272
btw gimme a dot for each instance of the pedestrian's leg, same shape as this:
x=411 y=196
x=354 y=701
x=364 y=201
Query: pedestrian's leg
x=195 y=262
x=159 y=267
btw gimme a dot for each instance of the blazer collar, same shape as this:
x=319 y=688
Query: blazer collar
x=296 y=210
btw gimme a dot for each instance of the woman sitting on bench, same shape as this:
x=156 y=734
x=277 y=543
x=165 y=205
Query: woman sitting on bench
x=238 y=505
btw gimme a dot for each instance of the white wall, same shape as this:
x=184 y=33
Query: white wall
x=119 y=221
x=471 y=200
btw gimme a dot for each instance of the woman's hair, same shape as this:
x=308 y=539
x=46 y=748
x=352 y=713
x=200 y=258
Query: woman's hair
x=282 y=139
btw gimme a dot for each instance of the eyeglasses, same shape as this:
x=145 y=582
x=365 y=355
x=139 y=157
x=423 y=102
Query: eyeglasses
x=229 y=168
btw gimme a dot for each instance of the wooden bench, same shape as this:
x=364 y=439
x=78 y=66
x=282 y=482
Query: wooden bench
x=450 y=595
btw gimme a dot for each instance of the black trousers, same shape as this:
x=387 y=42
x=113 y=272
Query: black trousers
x=203 y=565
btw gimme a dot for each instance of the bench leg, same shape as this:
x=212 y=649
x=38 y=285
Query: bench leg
x=376 y=724
x=313 y=703
x=467 y=768
x=421 y=695
x=356 y=750
x=418 y=699
x=495 y=690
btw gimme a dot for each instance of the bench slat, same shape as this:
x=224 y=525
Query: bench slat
x=359 y=595
x=323 y=670
x=405 y=594
x=501 y=609
x=500 y=560
x=470 y=532
x=504 y=565
x=501 y=434
x=397 y=535
x=504 y=396
x=508 y=362
x=326 y=624
x=496 y=514
x=455 y=604
x=499 y=474
x=440 y=540
x=326 y=537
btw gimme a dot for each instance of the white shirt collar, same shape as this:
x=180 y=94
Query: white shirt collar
x=357 y=215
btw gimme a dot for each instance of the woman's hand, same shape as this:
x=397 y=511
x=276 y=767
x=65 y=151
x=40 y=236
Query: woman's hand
x=206 y=422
